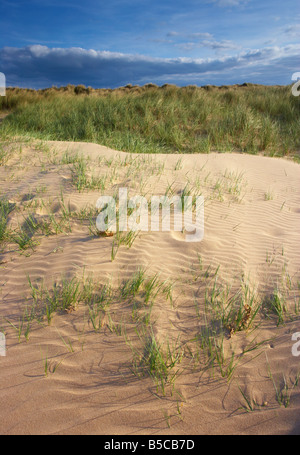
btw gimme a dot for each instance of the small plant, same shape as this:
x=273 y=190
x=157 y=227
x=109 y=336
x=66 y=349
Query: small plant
x=63 y=296
x=178 y=165
x=96 y=317
x=68 y=158
x=283 y=390
x=79 y=177
x=232 y=311
x=24 y=240
x=269 y=195
x=45 y=362
x=47 y=366
x=170 y=190
x=250 y=404
x=122 y=238
x=68 y=343
x=82 y=180
x=66 y=294
x=212 y=346
x=275 y=304
x=131 y=287
x=160 y=363
x=18 y=329
x=152 y=288
x=5 y=209
x=3 y=156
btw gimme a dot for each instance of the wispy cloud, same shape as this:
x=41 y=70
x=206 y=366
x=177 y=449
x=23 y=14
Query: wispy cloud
x=224 y=45
x=293 y=31
x=201 y=35
x=198 y=40
x=229 y=3
x=172 y=33
x=40 y=66
x=198 y=35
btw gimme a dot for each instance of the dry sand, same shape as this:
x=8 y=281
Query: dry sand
x=252 y=215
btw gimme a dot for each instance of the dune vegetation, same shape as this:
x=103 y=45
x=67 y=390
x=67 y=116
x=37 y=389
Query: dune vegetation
x=141 y=331
x=150 y=119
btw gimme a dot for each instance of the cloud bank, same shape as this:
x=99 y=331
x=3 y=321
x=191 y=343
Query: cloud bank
x=39 y=66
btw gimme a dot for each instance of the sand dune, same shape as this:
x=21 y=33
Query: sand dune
x=68 y=378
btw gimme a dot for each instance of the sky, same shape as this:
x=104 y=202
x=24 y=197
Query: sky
x=107 y=44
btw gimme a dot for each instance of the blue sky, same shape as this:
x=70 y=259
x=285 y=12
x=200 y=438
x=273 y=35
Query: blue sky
x=113 y=43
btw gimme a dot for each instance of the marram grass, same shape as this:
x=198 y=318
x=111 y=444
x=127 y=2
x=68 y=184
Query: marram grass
x=166 y=119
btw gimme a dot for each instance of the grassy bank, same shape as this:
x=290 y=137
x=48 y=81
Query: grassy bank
x=166 y=119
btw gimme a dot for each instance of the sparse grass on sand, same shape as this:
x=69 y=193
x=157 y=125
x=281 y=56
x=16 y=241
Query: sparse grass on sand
x=183 y=335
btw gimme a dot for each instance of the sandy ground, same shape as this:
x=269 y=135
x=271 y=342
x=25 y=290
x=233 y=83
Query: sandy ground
x=68 y=378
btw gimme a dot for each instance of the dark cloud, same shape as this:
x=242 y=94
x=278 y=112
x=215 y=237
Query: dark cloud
x=39 y=66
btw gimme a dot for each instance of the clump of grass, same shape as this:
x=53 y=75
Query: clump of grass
x=96 y=316
x=81 y=178
x=49 y=367
x=283 y=390
x=55 y=225
x=231 y=311
x=24 y=324
x=146 y=287
x=66 y=294
x=3 y=155
x=250 y=404
x=152 y=288
x=276 y=305
x=122 y=238
x=5 y=209
x=86 y=213
x=213 y=353
x=62 y=296
x=24 y=236
x=151 y=358
x=242 y=315
x=159 y=362
x=93 y=294
x=235 y=183
x=222 y=312
x=269 y=195
x=45 y=361
x=178 y=164
x=70 y=158
x=131 y=287
x=79 y=174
